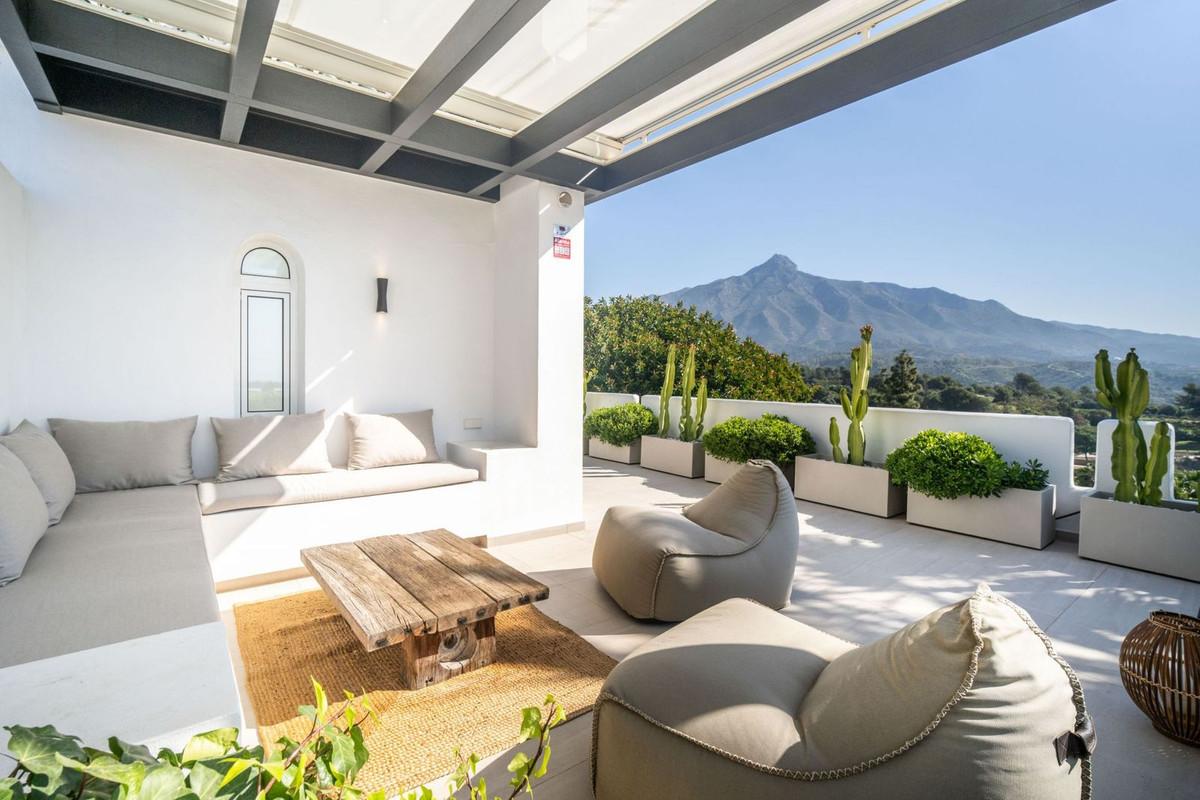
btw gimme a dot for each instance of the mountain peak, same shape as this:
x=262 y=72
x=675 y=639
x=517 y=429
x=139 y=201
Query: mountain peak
x=776 y=264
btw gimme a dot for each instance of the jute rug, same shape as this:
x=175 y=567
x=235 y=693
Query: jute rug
x=286 y=640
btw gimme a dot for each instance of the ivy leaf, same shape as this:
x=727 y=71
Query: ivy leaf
x=544 y=764
x=342 y=756
x=204 y=781
x=107 y=768
x=321 y=697
x=210 y=745
x=163 y=783
x=237 y=767
x=38 y=749
x=531 y=723
x=127 y=752
x=519 y=767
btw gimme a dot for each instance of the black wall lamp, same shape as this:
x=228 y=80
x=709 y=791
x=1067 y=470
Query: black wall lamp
x=381 y=295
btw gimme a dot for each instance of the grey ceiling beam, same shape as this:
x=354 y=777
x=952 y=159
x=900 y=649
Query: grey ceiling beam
x=99 y=41
x=715 y=32
x=104 y=43
x=485 y=27
x=947 y=37
x=20 y=48
x=251 y=32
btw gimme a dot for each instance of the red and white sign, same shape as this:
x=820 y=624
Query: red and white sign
x=562 y=247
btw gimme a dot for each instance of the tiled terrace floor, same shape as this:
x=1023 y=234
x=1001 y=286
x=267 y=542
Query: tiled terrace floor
x=861 y=578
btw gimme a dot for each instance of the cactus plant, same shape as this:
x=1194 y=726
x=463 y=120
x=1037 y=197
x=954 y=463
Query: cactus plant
x=668 y=389
x=587 y=379
x=692 y=428
x=1138 y=470
x=835 y=441
x=1156 y=464
x=854 y=403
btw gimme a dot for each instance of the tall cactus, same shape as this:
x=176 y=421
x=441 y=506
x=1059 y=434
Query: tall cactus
x=691 y=428
x=835 y=441
x=1156 y=464
x=854 y=403
x=668 y=389
x=1125 y=398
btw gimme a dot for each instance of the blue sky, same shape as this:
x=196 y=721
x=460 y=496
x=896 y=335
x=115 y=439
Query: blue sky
x=1058 y=174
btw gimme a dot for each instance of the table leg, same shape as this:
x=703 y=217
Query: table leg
x=434 y=657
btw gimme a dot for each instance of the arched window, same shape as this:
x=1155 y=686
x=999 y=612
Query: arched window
x=268 y=332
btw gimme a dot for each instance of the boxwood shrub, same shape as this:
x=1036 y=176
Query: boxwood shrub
x=770 y=436
x=620 y=425
x=949 y=465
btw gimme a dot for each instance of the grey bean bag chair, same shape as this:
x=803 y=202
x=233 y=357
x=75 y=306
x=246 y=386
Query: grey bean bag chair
x=740 y=541
x=740 y=701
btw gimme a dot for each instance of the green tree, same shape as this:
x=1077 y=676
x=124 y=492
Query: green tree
x=626 y=341
x=902 y=384
x=1189 y=399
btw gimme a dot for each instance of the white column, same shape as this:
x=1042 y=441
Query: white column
x=538 y=351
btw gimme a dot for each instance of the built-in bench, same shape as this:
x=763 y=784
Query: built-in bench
x=113 y=625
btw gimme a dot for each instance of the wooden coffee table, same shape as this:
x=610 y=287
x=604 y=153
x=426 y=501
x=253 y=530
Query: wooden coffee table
x=431 y=594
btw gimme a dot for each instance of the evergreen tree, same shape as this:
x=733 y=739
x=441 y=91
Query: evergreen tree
x=1189 y=399
x=902 y=385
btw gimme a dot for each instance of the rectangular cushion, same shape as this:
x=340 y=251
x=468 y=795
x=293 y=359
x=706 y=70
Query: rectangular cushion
x=259 y=446
x=23 y=518
x=382 y=440
x=337 y=484
x=47 y=465
x=119 y=565
x=127 y=455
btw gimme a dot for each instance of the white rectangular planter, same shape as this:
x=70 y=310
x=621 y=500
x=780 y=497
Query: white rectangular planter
x=717 y=470
x=673 y=456
x=1164 y=539
x=1018 y=516
x=629 y=454
x=866 y=489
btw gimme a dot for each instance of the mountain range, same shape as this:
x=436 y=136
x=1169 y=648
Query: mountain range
x=815 y=319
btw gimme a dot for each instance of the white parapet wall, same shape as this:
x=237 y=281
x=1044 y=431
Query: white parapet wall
x=597 y=400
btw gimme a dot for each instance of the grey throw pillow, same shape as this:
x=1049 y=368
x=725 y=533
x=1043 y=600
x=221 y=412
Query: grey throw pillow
x=47 y=465
x=127 y=455
x=384 y=440
x=23 y=516
x=261 y=446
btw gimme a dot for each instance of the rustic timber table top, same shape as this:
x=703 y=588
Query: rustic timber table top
x=432 y=593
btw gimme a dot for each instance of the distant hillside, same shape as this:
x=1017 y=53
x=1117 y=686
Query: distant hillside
x=815 y=319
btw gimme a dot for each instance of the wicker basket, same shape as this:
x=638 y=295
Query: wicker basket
x=1160 y=667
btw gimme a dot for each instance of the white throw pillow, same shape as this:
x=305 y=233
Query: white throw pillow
x=47 y=465
x=262 y=446
x=106 y=456
x=384 y=440
x=23 y=516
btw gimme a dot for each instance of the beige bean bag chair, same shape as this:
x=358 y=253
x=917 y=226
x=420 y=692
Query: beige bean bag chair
x=740 y=701
x=739 y=541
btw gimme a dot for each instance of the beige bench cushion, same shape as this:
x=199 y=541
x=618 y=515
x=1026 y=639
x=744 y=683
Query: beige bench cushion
x=47 y=465
x=338 y=484
x=119 y=565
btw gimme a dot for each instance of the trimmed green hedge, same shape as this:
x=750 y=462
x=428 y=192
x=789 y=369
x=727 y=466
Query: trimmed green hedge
x=620 y=425
x=949 y=465
x=770 y=436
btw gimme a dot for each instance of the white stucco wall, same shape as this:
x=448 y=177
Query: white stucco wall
x=132 y=278
x=12 y=275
